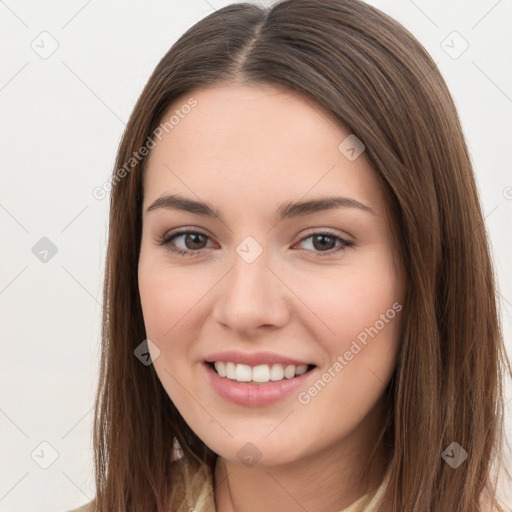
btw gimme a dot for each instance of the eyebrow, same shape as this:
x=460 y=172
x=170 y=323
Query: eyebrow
x=285 y=211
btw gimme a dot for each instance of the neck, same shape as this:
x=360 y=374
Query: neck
x=327 y=481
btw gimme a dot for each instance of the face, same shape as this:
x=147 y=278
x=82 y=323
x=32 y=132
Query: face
x=267 y=289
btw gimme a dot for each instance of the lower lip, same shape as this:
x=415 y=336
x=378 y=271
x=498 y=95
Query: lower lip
x=254 y=395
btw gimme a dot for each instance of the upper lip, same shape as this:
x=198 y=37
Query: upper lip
x=253 y=358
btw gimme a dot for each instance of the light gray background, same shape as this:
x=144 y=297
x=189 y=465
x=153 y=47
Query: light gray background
x=62 y=119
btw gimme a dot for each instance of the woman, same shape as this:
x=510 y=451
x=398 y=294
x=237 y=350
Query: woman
x=300 y=305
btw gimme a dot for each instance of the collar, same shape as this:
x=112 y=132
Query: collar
x=194 y=490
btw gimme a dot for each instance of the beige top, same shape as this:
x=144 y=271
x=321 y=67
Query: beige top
x=367 y=503
x=199 y=494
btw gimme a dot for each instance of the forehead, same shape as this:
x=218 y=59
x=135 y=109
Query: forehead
x=246 y=144
x=253 y=116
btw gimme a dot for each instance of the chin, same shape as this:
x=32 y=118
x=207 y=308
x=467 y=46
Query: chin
x=256 y=450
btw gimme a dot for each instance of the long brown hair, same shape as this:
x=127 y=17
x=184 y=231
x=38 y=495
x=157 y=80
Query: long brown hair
x=380 y=83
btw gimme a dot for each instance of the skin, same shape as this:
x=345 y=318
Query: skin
x=246 y=151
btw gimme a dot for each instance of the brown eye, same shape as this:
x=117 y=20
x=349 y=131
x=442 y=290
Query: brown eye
x=192 y=243
x=323 y=244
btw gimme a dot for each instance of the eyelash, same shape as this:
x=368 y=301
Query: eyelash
x=166 y=241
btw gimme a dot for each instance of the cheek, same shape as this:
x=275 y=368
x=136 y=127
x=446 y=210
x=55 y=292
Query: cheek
x=167 y=300
x=363 y=310
x=168 y=296
x=353 y=300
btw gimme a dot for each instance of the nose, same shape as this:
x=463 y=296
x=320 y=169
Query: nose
x=252 y=297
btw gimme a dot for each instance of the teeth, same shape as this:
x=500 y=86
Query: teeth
x=277 y=372
x=301 y=369
x=289 y=371
x=231 y=370
x=243 y=373
x=260 y=373
x=221 y=368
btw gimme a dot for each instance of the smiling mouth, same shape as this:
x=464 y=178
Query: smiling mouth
x=259 y=374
